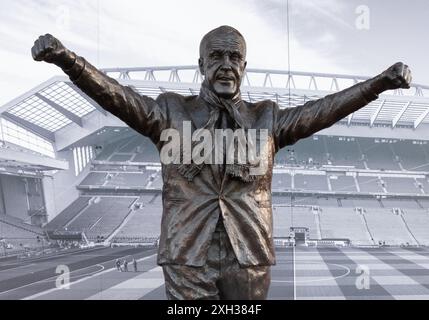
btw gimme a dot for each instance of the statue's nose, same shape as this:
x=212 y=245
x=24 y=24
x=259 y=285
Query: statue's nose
x=226 y=63
x=226 y=68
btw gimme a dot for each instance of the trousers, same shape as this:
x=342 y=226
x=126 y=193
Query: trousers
x=221 y=278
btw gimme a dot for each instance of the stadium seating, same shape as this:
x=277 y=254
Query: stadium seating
x=131 y=144
x=304 y=217
x=398 y=203
x=94 y=179
x=343 y=223
x=68 y=213
x=128 y=179
x=121 y=157
x=336 y=216
x=344 y=152
x=102 y=216
x=310 y=151
x=281 y=221
x=18 y=236
x=281 y=181
x=106 y=151
x=369 y=184
x=387 y=227
x=400 y=185
x=311 y=182
x=342 y=183
x=360 y=203
x=378 y=155
x=412 y=156
x=327 y=202
x=418 y=222
x=144 y=222
x=308 y=201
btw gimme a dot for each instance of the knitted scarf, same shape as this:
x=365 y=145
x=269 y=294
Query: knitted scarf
x=237 y=170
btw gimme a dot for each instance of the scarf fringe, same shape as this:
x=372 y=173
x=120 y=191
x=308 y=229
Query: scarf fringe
x=189 y=171
x=240 y=171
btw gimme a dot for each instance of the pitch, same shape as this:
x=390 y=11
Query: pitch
x=301 y=273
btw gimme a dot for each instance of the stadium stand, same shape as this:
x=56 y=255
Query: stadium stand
x=325 y=179
x=101 y=217
x=344 y=152
x=282 y=181
x=370 y=184
x=312 y=190
x=378 y=155
x=281 y=221
x=311 y=182
x=144 y=223
x=308 y=201
x=310 y=151
x=387 y=227
x=121 y=157
x=304 y=217
x=128 y=179
x=418 y=222
x=360 y=203
x=69 y=213
x=400 y=203
x=342 y=183
x=146 y=152
x=328 y=202
x=412 y=156
x=16 y=236
x=94 y=179
x=131 y=145
x=343 y=223
x=400 y=185
x=106 y=151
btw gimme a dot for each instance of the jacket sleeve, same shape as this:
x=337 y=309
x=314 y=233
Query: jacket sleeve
x=144 y=114
x=294 y=123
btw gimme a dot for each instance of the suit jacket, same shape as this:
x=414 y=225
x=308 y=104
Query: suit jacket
x=191 y=209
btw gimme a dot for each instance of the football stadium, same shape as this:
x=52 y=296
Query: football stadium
x=81 y=193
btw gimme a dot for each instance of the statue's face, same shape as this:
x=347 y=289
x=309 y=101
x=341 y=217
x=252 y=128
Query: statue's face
x=223 y=63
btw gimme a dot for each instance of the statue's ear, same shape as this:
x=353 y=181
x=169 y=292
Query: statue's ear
x=201 y=65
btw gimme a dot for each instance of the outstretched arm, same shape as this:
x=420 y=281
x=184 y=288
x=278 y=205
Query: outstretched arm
x=142 y=113
x=292 y=124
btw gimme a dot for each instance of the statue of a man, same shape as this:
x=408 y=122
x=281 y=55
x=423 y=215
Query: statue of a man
x=217 y=229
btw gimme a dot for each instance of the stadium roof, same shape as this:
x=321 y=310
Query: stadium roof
x=57 y=103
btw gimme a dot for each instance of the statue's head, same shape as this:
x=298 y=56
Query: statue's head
x=223 y=60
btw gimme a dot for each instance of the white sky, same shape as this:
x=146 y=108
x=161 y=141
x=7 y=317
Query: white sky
x=121 y=33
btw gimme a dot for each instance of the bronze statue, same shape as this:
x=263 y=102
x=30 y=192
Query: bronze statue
x=216 y=234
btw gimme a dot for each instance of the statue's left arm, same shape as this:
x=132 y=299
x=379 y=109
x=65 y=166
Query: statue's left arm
x=292 y=124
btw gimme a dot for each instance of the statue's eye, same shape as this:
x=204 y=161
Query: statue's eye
x=215 y=55
x=235 y=56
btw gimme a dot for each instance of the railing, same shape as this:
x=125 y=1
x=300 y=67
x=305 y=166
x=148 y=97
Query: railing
x=265 y=78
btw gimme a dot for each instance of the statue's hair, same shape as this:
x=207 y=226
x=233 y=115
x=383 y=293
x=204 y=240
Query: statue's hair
x=221 y=31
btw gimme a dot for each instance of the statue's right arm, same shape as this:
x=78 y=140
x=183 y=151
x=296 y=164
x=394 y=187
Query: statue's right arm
x=144 y=114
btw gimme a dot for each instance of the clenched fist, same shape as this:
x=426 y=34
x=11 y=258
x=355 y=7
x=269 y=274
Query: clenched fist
x=396 y=77
x=49 y=49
